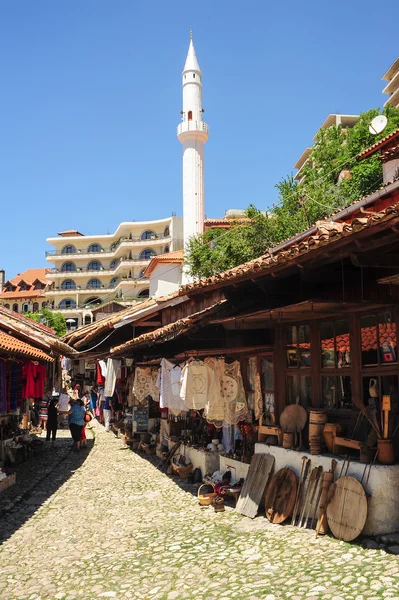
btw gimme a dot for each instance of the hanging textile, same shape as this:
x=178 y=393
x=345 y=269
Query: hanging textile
x=100 y=379
x=35 y=378
x=3 y=387
x=236 y=408
x=14 y=386
x=168 y=383
x=111 y=377
x=195 y=384
x=228 y=438
x=258 y=398
x=215 y=404
x=145 y=380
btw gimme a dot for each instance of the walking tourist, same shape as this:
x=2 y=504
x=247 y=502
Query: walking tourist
x=93 y=399
x=76 y=422
x=43 y=414
x=63 y=407
x=52 y=420
x=107 y=413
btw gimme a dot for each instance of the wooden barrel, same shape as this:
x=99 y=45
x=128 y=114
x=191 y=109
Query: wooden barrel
x=317 y=420
x=288 y=440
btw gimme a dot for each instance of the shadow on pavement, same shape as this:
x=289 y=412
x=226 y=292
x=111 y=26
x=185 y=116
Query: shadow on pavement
x=37 y=480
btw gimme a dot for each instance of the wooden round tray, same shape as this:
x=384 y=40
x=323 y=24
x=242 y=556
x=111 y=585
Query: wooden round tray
x=347 y=511
x=280 y=496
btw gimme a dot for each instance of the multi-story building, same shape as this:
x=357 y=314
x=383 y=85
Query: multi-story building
x=392 y=87
x=332 y=120
x=25 y=292
x=90 y=270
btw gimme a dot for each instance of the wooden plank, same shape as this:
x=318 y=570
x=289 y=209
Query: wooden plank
x=255 y=484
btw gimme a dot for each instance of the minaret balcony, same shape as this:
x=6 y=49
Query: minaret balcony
x=194 y=126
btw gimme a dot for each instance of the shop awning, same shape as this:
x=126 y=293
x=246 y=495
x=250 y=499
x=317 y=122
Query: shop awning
x=14 y=347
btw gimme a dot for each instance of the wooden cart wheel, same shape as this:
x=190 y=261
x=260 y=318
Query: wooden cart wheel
x=280 y=496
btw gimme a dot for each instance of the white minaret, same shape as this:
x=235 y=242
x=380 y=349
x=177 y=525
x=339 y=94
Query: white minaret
x=192 y=133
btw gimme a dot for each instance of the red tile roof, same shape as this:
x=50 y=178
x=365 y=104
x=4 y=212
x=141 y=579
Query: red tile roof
x=379 y=145
x=15 y=347
x=175 y=257
x=70 y=233
x=29 y=278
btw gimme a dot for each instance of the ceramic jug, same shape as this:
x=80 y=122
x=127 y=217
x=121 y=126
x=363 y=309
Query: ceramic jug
x=373 y=388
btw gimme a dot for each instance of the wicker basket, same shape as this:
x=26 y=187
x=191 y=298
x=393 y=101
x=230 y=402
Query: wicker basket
x=207 y=498
x=183 y=472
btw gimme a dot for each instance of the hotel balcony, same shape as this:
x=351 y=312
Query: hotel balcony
x=109 y=252
x=60 y=291
x=85 y=272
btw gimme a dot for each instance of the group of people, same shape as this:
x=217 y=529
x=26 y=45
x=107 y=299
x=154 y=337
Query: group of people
x=76 y=410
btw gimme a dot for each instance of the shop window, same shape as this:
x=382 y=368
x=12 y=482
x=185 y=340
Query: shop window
x=336 y=392
x=69 y=249
x=374 y=388
x=68 y=267
x=94 y=265
x=335 y=344
x=299 y=386
x=35 y=307
x=378 y=339
x=298 y=346
x=15 y=307
x=68 y=284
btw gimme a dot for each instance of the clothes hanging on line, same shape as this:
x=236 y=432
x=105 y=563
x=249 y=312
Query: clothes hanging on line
x=196 y=379
x=113 y=366
x=34 y=374
x=145 y=380
x=234 y=394
x=215 y=404
x=168 y=384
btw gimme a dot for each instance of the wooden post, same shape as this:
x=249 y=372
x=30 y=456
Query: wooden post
x=386 y=408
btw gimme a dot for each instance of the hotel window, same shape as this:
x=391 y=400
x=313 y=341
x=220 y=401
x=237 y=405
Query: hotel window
x=94 y=265
x=113 y=264
x=94 y=284
x=68 y=284
x=147 y=254
x=141 y=274
x=143 y=294
x=166 y=232
x=67 y=303
x=68 y=267
x=35 y=307
x=68 y=249
x=148 y=235
x=113 y=283
x=38 y=285
x=94 y=248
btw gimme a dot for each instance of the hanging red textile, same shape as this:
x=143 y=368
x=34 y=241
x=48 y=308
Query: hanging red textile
x=35 y=377
x=100 y=377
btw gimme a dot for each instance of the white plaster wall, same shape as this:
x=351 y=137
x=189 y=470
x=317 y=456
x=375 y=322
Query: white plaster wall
x=389 y=169
x=165 y=279
x=193 y=188
x=208 y=462
x=241 y=469
x=382 y=486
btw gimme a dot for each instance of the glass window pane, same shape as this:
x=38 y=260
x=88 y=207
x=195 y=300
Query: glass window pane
x=329 y=392
x=336 y=392
x=342 y=343
x=292 y=388
x=292 y=345
x=268 y=384
x=327 y=344
x=387 y=337
x=368 y=329
x=304 y=345
x=306 y=391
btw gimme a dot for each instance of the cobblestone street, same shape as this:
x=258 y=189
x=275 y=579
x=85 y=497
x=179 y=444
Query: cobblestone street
x=105 y=523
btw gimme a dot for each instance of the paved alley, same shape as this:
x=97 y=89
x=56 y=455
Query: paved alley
x=107 y=524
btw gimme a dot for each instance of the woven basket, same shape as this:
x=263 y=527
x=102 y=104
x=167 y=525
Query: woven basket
x=183 y=472
x=207 y=498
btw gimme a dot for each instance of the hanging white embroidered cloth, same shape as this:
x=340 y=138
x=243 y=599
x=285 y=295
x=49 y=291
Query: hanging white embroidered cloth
x=195 y=384
x=168 y=384
x=215 y=405
x=236 y=408
x=145 y=379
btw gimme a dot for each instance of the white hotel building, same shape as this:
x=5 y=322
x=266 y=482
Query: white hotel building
x=89 y=270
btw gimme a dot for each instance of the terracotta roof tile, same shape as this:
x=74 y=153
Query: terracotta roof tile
x=13 y=346
x=175 y=257
x=378 y=145
x=29 y=278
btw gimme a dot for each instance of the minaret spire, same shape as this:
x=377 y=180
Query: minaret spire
x=192 y=132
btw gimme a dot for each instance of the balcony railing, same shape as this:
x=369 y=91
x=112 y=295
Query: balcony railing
x=104 y=288
x=83 y=306
x=102 y=271
x=193 y=126
x=112 y=249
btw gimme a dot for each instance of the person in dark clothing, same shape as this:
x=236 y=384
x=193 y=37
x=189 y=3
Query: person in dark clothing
x=52 y=420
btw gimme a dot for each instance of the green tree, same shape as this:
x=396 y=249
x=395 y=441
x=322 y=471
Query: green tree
x=54 y=320
x=332 y=179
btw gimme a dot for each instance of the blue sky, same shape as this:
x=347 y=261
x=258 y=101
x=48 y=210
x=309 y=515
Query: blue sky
x=91 y=97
